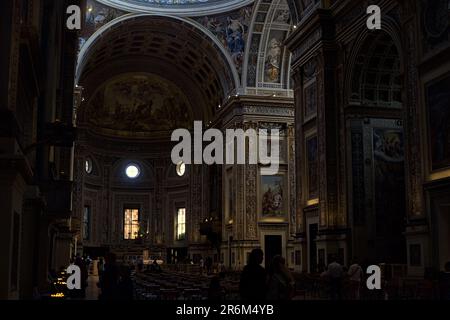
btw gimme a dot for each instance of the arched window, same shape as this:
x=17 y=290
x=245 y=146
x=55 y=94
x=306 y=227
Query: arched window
x=376 y=76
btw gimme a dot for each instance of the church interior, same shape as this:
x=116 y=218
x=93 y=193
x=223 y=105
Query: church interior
x=87 y=115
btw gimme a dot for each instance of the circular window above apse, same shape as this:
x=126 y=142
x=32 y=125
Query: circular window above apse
x=132 y=171
x=178 y=7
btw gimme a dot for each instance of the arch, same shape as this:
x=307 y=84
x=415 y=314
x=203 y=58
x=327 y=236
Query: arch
x=192 y=10
x=259 y=37
x=299 y=10
x=391 y=30
x=103 y=31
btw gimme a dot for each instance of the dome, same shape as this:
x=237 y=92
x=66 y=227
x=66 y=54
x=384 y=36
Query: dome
x=177 y=7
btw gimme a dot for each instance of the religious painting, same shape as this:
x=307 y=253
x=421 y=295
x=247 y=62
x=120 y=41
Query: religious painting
x=389 y=181
x=310 y=100
x=282 y=16
x=97 y=15
x=312 y=167
x=273 y=196
x=438 y=106
x=231 y=30
x=139 y=103
x=274 y=57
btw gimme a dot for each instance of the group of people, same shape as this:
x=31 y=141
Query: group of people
x=257 y=283
x=114 y=280
x=336 y=274
x=277 y=283
x=207 y=266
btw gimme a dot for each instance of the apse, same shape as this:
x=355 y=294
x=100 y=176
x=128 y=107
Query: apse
x=165 y=50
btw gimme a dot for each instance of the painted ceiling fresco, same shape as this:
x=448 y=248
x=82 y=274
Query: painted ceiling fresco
x=232 y=31
x=192 y=7
x=97 y=15
x=139 y=103
x=170 y=3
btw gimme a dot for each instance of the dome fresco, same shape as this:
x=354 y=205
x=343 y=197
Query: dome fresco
x=179 y=7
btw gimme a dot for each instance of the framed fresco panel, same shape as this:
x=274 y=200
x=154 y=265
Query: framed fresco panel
x=273 y=196
x=274 y=57
x=310 y=100
x=437 y=96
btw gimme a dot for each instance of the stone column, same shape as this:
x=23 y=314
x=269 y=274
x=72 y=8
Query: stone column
x=12 y=188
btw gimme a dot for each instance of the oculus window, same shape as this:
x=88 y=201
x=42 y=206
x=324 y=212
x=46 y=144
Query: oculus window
x=88 y=166
x=132 y=171
x=181 y=169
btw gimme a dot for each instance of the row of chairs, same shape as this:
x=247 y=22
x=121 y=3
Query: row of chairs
x=169 y=286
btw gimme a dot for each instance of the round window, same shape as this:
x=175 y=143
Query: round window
x=132 y=171
x=181 y=169
x=88 y=166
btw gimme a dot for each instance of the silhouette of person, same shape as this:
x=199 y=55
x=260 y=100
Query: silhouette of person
x=252 y=285
x=215 y=291
x=281 y=283
x=125 y=286
x=110 y=279
x=355 y=273
x=335 y=273
x=444 y=282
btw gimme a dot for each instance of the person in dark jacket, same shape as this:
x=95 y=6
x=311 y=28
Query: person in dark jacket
x=110 y=279
x=253 y=278
x=125 y=286
x=444 y=282
x=215 y=291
